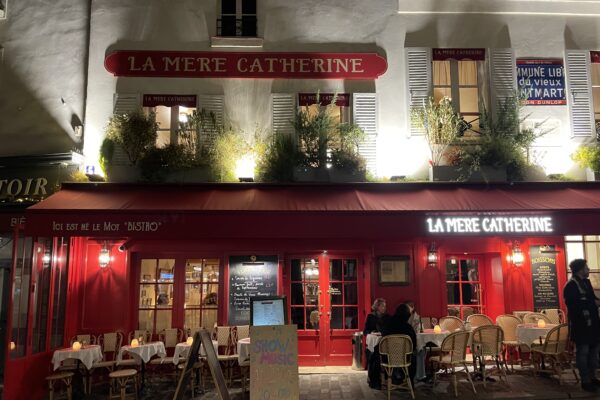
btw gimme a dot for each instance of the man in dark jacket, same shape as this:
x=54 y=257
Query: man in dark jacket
x=584 y=323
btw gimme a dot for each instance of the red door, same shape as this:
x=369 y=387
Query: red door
x=324 y=302
x=464 y=278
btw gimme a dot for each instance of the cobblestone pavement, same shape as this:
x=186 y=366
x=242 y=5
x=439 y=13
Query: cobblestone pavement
x=344 y=383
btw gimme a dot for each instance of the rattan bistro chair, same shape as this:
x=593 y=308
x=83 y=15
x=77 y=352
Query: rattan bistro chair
x=428 y=322
x=477 y=320
x=554 y=351
x=510 y=344
x=487 y=343
x=533 y=318
x=396 y=352
x=555 y=315
x=451 y=324
x=110 y=343
x=227 y=356
x=453 y=354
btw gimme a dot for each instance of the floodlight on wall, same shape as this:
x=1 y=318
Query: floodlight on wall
x=432 y=255
x=104 y=256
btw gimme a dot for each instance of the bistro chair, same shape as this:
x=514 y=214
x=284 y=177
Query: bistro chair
x=396 y=352
x=453 y=312
x=110 y=343
x=533 y=318
x=555 y=315
x=453 y=354
x=467 y=311
x=477 y=320
x=83 y=339
x=487 y=343
x=242 y=332
x=227 y=357
x=64 y=377
x=194 y=375
x=121 y=379
x=428 y=322
x=170 y=337
x=508 y=323
x=451 y=324
x=139 y=333
x=553 y=350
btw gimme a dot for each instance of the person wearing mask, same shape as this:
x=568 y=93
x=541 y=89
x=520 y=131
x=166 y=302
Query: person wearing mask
x=584 y=322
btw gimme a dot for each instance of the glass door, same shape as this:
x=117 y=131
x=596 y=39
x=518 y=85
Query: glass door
x=463 y=283
x=324 y=304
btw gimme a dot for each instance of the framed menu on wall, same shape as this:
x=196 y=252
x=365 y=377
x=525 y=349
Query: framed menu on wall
x=250 y=276
x=394 y=270
x=543 y=277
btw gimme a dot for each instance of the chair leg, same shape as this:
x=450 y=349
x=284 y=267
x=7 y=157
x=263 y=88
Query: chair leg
x=407 y=377
x=389 y=384
x=469 y=377
x=482 y=364
x=50 y=390
x=454 y=382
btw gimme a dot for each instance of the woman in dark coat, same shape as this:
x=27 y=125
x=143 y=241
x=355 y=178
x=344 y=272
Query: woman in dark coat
x=374 y=323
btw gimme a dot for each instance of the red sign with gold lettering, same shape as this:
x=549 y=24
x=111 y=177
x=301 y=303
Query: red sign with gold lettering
x=192 y=64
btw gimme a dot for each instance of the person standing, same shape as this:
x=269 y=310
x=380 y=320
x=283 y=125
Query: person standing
x=584 y=322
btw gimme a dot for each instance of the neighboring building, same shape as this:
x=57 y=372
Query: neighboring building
x=152 y=257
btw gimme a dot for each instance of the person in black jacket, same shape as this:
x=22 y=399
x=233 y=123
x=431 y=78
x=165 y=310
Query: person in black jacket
x=373 y=322
x=584 y=322
x=396 y=325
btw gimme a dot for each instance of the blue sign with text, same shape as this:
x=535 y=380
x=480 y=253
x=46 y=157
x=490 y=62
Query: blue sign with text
x=542 y=81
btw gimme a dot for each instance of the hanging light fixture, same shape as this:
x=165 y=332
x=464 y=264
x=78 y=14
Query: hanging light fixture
x=104 y=256
x=432 y=255
x=517 y=257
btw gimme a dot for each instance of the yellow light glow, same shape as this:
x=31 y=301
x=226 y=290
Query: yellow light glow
x=189 y=340
x=541 y=323
x=437 y=329
x=12 y=346
x=244 y=167
x=134 y=343
x=76 y=346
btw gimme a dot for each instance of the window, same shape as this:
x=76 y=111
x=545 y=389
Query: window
x=20 y=303
x=157 y=277
x=238 y=18
x=463 y=285
x=305 y=293
x=587 y=247
x=169 y=120
x=3 y=8
x=595 y=71
x=460 y=80
x=201 y=293
x=343 y=293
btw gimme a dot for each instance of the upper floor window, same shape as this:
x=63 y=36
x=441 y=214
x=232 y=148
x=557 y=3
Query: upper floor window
x=595 y=70
x=3 y=8
x=238 y=18
x=171 y=112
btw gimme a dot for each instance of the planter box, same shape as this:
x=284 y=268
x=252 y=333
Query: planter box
x=190 y=175
x=123 y=173
x=448 y=173
x=327 y=175
x=591 y=175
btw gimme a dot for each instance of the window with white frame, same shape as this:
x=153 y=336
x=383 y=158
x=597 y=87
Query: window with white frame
x=238 y=18
x=595 y=71
x=460 y=80
x=588 y=248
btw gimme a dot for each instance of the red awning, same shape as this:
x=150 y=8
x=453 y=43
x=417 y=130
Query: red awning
x=198 y=210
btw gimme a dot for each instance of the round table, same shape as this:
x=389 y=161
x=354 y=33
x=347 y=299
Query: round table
x=373 y=340
x=530 y=333
x=243 y=350
x=87 y=355
x=182 y=350
x=143 y=352
x=428 y=335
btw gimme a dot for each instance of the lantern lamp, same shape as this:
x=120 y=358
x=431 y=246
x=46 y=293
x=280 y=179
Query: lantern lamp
x=104 y=257
x=134 y=342
x=437 y=329
x=432 y=255
x=189 y=341
x=541 y=323
x=76 y=346
x=517 y=257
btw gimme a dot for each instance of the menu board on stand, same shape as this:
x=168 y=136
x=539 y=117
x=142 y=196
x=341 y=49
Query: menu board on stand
x=250 y=276
x=543 y=277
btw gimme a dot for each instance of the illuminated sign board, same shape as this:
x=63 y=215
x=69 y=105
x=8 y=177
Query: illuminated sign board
x=490 y=224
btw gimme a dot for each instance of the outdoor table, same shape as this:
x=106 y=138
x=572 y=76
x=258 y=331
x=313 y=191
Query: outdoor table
x=373 y=340
x=143 y=352
x=182 y=350
x=529 y=333
x=87 y=355
x=243 y=350
x=428 y=335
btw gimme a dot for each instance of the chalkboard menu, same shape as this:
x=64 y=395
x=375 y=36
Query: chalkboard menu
x=543 y=277
x=250 y=276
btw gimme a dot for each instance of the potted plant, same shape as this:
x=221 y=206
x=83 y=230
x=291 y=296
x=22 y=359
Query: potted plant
x=588 y=157
x=128 y=137
x=441 y=125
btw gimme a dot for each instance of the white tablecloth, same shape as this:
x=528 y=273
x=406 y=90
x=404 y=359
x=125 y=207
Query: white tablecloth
x=243 y=350
x=530 y=333
x=144 y=351
x=428 y=335
x=373 y=340
x=182 y=350
x=87 y=355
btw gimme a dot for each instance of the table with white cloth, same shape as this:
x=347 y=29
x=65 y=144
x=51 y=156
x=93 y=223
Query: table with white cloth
x=428 y=335
x=182 y=350
x=143 y=352
x=531 y=333
x=87 y=355
x=243 y=350
x=373 y=340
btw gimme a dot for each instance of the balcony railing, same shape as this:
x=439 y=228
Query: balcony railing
x=230 y=26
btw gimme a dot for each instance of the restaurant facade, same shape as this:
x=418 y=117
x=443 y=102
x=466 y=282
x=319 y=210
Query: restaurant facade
x=95 y=258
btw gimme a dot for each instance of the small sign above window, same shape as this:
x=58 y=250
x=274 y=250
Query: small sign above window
x=458 y=54
x=308 y=99
x=169 y=100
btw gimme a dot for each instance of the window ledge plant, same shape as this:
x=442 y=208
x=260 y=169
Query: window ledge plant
x=588 y=156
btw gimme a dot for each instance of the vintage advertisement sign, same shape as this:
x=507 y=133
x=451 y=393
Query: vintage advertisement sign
x=169 y=100
x=250 y=276
x=543 y=277
x=542 y=81
x=274 y=362
x=458 y=54
x=193 y=64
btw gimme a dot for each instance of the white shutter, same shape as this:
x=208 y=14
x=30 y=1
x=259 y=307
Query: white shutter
x=124 y=103
x=579 y=88
x=212 y=103
x=418 y=69
x=364 y=111
x=503 y=76
x=283 y=112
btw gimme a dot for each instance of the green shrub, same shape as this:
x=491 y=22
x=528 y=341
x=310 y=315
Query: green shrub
x=588 y=156
x=158 y=162
x=135 y=132
x=279 y=159
x=227 y=148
